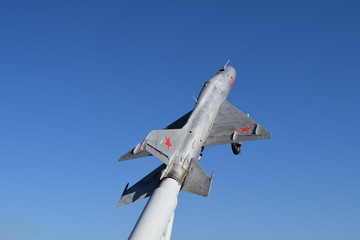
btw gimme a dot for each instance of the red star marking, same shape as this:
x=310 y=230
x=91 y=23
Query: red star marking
x=231 y=83
x=168 y=143
x=231 y=77
x=245 y=129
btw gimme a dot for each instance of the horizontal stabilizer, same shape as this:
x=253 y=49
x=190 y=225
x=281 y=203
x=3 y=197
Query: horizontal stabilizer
x=143 y=188
x=197 y=181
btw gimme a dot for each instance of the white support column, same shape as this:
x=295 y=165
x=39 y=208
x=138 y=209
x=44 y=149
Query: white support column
x=158 y=212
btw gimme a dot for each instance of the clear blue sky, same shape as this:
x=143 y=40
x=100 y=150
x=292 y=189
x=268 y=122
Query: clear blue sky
x=82 y=82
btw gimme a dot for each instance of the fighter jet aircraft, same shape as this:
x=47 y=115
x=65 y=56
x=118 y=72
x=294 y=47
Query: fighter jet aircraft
x=213 y=121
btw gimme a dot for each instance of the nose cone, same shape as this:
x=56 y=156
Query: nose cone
x=228 y=70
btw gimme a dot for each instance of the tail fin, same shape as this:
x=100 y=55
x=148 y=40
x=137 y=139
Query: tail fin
x=197 y=181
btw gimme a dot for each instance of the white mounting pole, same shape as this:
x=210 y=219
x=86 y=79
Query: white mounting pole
x=158 y=212
x=167 y=234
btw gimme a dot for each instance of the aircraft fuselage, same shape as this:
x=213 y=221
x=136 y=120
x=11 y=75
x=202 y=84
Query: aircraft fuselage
x=199 y=124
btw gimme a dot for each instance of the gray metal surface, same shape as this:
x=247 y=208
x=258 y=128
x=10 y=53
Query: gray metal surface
x=197 y=181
